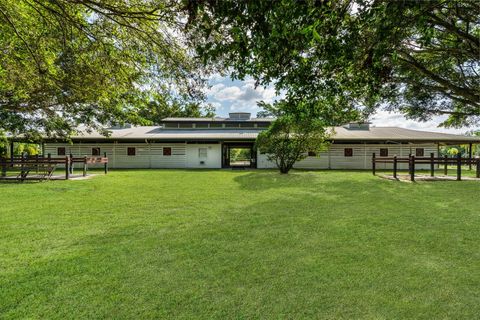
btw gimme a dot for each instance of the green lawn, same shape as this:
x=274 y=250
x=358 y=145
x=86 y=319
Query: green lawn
x=239 y=244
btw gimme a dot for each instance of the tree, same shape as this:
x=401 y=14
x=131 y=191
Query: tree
x=94 y=63
x=154 y=110
x=292 y=135
x=419 y=57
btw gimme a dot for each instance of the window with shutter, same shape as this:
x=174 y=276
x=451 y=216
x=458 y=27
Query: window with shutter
x=167 y=151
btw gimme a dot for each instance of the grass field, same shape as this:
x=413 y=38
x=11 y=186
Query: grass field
x=239 y=244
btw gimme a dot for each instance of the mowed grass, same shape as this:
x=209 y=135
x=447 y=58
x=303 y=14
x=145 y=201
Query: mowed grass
x=239 y=244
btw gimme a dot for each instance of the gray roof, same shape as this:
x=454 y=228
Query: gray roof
x=172 y=134
x=216 y=119
x=398 y=134
x=340 y=134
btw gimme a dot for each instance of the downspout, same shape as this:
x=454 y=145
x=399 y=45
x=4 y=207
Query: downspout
x=149 y=153
x=329 y=157
x=365 y=157
x=114 y=152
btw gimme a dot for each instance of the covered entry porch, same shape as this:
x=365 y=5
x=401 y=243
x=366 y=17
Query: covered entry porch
x=239 y=155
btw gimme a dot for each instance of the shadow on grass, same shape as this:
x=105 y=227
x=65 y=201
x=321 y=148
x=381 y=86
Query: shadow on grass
x=297 y=253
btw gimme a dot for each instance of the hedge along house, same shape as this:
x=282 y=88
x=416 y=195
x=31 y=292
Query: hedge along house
x=214 y=142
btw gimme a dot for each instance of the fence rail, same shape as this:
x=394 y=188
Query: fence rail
x=25 y=164
x=412 y=161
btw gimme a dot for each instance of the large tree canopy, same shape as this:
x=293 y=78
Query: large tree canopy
x=65 y=63
x=419 y=57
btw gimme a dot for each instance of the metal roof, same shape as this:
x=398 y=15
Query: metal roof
x=216 y=119
x=340 y=134
x=160 y=133
x=398 y=134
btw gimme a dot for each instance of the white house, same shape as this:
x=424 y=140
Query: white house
x=214 y=142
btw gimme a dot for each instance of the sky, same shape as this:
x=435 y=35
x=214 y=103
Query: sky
x=228 y=95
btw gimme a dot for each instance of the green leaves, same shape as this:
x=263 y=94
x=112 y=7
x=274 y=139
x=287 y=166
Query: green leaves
x=296 y=131
x=66 y=64
x=417 y=57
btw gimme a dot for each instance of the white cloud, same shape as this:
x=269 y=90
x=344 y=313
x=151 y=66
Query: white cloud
x=243 y=94
x=227 y=95
x=384 y=118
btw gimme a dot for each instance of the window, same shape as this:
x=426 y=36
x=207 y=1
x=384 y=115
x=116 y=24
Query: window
x=171 y=125
x=131 y=151
x=61 y=151
x=95 y=151
x=167 y=151
x=419 y=152
x=201 y=125
x=185 y=125
x=216 y=125
x=348 y=152
x=246 y=125
x=263 y=125
x=312 y=154
x=383 y=152
x=232 y=125
x=202 y=152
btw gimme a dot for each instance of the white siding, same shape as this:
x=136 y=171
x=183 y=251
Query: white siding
x=213 y=159
x=150 y=155
x=263 y=163
x=334 y=157
x=176 y=160
x=147 y=155
x=319 y=161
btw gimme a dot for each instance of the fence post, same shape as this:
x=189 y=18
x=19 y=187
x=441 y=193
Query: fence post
x=12 y=149
x=412 y=168
x=445 y=169
x=478 y=167
x=85 y=166
x=71 y=163
x=67 y=170
x=4 y=166
x=432 y=164
x=373 y=163
x=105 y=164
x=395 y=163
x=459 y=166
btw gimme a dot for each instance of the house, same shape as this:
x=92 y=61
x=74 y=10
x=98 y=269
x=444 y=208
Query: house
x=217 y=142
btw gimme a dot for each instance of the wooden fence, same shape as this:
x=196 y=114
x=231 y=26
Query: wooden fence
x=26 y=164
x=412 y=161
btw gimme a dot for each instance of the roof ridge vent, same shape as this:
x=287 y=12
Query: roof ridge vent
x=357 y=126
x=121 y=126
x=239 y=116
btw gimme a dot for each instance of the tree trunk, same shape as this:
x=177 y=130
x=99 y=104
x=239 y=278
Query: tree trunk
x=284 y=170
